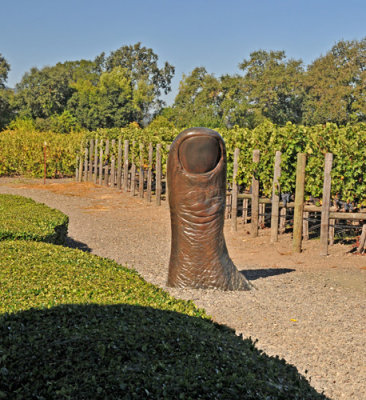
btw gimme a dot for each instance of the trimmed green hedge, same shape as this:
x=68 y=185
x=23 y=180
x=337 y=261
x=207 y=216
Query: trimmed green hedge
x=23 y=218
x=77 y=326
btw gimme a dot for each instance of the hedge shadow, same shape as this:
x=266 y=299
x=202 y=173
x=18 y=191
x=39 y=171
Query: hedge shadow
x=132 y=352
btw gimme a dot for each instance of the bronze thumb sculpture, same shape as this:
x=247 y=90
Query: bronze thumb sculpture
x=197 y=195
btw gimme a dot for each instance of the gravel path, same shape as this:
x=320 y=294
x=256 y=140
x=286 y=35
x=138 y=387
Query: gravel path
x=308 y=309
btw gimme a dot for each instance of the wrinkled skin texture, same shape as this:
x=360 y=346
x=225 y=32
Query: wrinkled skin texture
x=197 y=195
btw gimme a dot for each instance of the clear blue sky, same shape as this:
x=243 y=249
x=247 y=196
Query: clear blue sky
x=211 y=33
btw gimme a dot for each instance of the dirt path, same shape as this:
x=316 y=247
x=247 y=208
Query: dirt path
x=308 y=309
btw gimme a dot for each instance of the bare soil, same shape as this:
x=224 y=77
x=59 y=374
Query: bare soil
x=305 y=308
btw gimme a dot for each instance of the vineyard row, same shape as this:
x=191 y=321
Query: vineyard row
x=100 y=165
x=21 y=153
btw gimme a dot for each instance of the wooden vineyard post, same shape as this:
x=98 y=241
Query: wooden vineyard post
x=166 y=176
x=141 y=171
x=276 y=198
x=77 y=169
x=324 y=224
x=299 y=202
x=86 y=164
x=234 y=197
x=119 y=164
x=158 y=174
x=113 y=171
x=228 y=205
x=332 y=223
x=100 y=181
x=80 y=177
x=44 y=162
x=305 y=226
x=362 y=243
x=245 y=211
x=125 y=166
x=283 y=213
x=133 y=170
x=91 y=155
x=149 y=173
x=95 y=162
x=112 y=179
x=255 y=197
x=262 y=215
x=106 y=167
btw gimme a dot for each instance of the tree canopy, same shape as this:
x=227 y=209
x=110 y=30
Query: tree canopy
x=4 y=69
x=281 y=90
x=6 y=95
x=274 y=86
x=204 y=100
x=127 y=86
x=147 y=79
x=336 y=85
x=42 y=93
x=113 y=90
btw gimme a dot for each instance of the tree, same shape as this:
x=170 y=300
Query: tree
x=45 y=92
x=82 y=70
x=6 y=95
x=84 y=105
x=336 y=85
x=6 y=109
x=4 y=70
x=42 y=93
x=108 y=104
x=148 y=80
x=121 y=88
x=274 y=85
x=234 y=102
x=115 y=100
x=196 y=101
x=204 y=100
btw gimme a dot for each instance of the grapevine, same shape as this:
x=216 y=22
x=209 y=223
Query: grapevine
x=21 y=153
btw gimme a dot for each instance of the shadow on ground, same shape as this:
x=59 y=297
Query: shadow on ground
x=253 y=274
x=75 y=244
x=126 y=352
